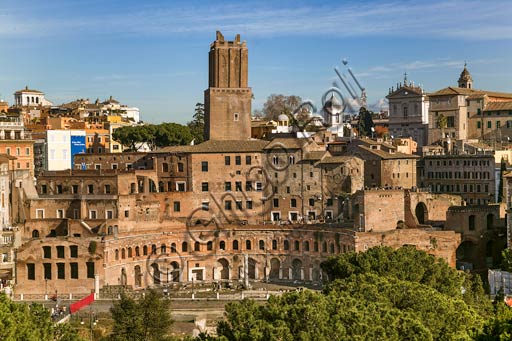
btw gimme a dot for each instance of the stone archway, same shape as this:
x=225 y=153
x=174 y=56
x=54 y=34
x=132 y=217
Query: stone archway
x=223 y=266
x=297 y=269
x=252 y=268
x=275 y=266
x=421 y=212
x=175 y=272
x=467 y=255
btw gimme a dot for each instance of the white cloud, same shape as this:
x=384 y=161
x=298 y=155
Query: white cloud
x=458 y=19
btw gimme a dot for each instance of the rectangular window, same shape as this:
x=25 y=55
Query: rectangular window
x=73 y=251
x=498 y=124
x=27 y=151
x=31 y=271
x=238 y=205
x=74 y=188
x=311 y=202
x=180 y=166
x=227 y=160
x=126 y=213
x=60 y=214
x=248 y=204
x=180 y=186
x=293 y=203
x=329 y=202
x=74 y=270
x=43 y=189
x=61 y=272
x=248 y=186
x=489 y=124
x=238 y=160
x=248 y=160
x=90 y=189
x=76 y=214
x=227 y=205
x=204 y=166
x=47 y=252
x=238 y=186
x=90 y=269
x=205 y=205
x=276 y=202
x=227 y=186
x=92 y=214
x=59 y=189
x=47 y=270
x=109 y=214
x=204 y=186
x=40 y=213
x=259 y=186
x=479 y=125
x=60 y=251
x=107 y=189
x=177 y=206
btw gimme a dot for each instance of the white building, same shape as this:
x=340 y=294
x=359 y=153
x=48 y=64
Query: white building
x=30 y=97
x=61 y=146
x=408 y=112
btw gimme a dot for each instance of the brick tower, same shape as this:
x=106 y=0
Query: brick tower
x=228 y=98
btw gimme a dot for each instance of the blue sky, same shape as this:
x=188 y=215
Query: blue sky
x=153 y=54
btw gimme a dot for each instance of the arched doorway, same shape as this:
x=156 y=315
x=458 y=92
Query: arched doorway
x=223 y=266
x=123 y=278
x=296 y=269
x=467 y=255
x=421 y=213
x=252 y=268
x=175 y=272
x=155 y=273
x=275 y=265
x=138 y=276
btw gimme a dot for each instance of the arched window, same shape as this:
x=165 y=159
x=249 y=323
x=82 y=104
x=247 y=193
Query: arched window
x=235 y=244
x=145 y=250
x=184 y=247
x=130 y=252
x=262 y=245
x=35 y=234
x=153 y=249
x=306 y=246
x=247 y=244
x=137 y=251
x=197 y=246
x=163 y=249
x=222 y=245
x=296 y=245
x=117 y=254
x=173 y=248
x=324 y=247
x=332 y=247
x=292 y=159
x=286 y=245
x=315 y=246
x=209 y=246
x=274 y=244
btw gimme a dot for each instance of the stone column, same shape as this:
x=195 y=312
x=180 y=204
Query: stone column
x=280 y=272
x=310 y=274
x=290 y=273
x=301 y=274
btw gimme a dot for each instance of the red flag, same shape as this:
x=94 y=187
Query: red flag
x=84 y=302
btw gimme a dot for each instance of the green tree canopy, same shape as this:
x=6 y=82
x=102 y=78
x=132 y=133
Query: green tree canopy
x=30 y=322
x=161 y=135
x=146 y=319
x=196 y=126
x=381 y=294
x=365 y=122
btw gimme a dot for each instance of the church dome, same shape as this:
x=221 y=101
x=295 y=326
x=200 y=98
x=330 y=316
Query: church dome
x=283 y=117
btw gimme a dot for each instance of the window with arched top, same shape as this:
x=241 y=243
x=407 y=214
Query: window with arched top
x=153 y=249
x=35 y=234
x=222 y=245
x=163 y=249
x=145 y=250
x=262 y=245
x=123 y=254
x=248 y=245
x=173 y=248
x=137 y=251
x=286 y=245
x=209 y=246
x=184 y=247
x=296 y=245
x=235 y=244
x=197 y=246
x=274 y=244
x=332 y=247
x=130 y=252
x=306 y=246
x=116 y=254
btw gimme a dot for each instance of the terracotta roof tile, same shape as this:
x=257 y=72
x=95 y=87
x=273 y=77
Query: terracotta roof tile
x=211 y=146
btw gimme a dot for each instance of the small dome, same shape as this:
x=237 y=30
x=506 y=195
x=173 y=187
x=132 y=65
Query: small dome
x=333 y=106
x=283 y=117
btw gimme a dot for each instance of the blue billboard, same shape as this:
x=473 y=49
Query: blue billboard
x=77 y=146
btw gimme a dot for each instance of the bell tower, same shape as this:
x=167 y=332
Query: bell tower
x=227 y=100
x=465 y=80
